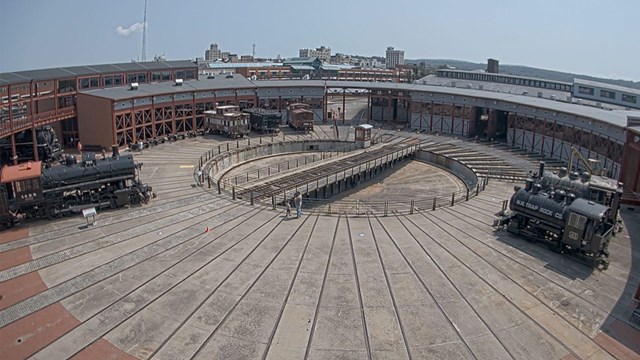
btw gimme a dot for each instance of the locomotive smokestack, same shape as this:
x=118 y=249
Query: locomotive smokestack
x=115 y=151
x=541 y=169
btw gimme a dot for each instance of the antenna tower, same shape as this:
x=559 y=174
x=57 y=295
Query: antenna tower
x=253 y=54
x=144 y=33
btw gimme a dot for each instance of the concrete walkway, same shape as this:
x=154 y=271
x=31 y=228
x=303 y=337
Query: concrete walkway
x=196 y=275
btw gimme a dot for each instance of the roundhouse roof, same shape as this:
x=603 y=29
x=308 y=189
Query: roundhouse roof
x=21 y=77
x=614 y=117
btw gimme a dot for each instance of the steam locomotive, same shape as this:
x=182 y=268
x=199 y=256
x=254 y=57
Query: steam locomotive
x=29 y=190
x=567 y=220
x=47 y=145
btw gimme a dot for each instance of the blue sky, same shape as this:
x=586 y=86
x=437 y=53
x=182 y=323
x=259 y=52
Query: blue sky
x=591 y=37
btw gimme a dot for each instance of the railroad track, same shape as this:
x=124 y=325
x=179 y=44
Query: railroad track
x=431 y=285
x=277 y=186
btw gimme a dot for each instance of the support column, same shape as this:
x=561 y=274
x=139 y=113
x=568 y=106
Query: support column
x=369 y=107
x=431 y=118
x=34 y=138
x=344 y=104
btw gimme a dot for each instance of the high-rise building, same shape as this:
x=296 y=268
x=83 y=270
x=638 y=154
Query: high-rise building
x=493 y=66
x=394 y=57
x=322 y=53
x=213 y=53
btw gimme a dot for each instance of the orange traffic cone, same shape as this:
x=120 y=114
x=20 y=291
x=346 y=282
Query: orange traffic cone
x=206 y=229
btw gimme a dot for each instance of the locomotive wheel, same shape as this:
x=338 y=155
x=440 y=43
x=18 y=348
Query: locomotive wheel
x=135 y=198
x=52 y=212
x=556 y=247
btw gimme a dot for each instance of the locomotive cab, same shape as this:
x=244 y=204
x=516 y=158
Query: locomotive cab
x=22 y=183
x=587 y=227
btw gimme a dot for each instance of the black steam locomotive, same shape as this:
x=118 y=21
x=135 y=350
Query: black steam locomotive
x=567 y=221
x=30 y=190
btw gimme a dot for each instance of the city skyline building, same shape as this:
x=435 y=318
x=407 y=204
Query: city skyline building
x=394 y=57
x=323 y=53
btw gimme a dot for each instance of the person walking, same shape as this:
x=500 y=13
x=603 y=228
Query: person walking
x=297 y=199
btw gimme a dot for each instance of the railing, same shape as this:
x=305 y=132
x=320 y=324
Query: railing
x=213 y=162
x=280 y=167
x=394 y=206
x=24 y=122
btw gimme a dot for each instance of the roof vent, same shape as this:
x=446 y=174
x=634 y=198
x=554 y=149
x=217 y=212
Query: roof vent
x=178 y=82
x=133 y=86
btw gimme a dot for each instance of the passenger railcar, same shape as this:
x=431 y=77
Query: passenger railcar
x=300 y=117
x=31 y=190
x=264 y=120
x=227 y=120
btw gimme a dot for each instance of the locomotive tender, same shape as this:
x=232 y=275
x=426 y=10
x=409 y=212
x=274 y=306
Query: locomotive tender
x=264 y=120
x=568 y=220
x=30 y=190
x=227 y=120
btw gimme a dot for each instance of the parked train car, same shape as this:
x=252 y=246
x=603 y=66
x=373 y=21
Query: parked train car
x=227 y=120
x=31 y=190
x=299 y=117
x=264 y=120
x=47 y=145
x=568 y=224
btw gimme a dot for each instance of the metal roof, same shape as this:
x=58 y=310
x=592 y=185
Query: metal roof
x=230 y=81
x=20 y=77
x=28 y=170
x=302 y=67
x=326 y=66
x=616 y=117
x=606 y=86
x=300 y=60
x=242 y=65
x=503 y=75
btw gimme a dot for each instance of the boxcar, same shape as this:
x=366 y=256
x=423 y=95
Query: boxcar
x=300 y=117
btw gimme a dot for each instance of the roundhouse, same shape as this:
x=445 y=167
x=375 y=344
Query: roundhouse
x=87 y=103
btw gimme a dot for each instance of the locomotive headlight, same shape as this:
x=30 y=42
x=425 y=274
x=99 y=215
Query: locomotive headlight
x=636 y=138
